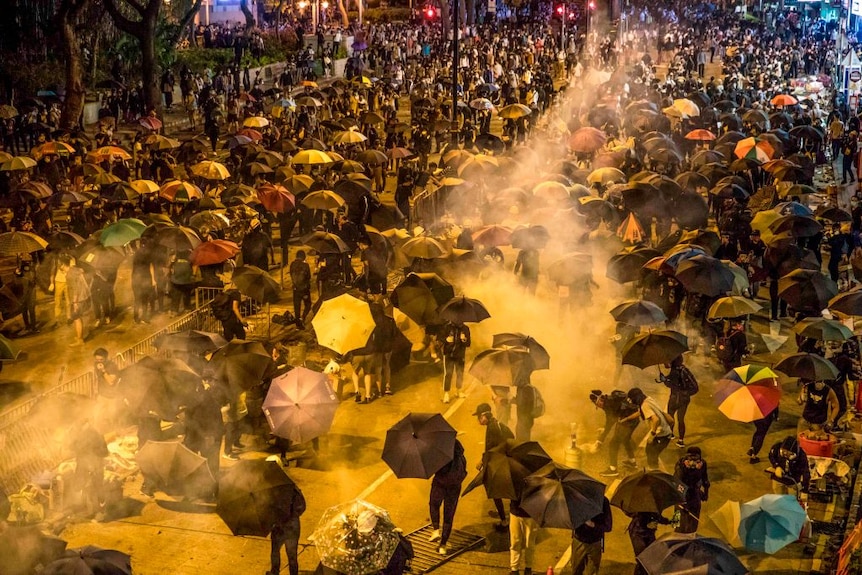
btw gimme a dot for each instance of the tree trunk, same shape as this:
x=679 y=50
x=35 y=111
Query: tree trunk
x=445 y=17
x=152 y=91
x=73 y=104
x=249 y=17
x=470 y=6
x=345 y=20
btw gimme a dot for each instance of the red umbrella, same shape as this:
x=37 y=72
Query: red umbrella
x=213 y=252
x=276 y=198
x=700 y=135
x=151 y=123
x=254 y=135
x=587 y=140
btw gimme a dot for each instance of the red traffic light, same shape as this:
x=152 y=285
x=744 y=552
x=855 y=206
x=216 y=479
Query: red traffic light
x=561 y=9
x=592 y=5
x=430 y=12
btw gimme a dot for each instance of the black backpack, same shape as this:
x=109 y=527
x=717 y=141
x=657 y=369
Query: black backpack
x=689 y=382
x=454 y=472
x=222 y=306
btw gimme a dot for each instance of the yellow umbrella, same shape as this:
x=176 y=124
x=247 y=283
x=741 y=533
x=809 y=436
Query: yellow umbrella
x=631 y=231
x=145 y=187
x=515 y=111
x=761 y=222
x=606 y=176
x=343 y=323
x=18 y=163
x=726 y=521
x=255 y=122
x=311 y=157
x=687 y=107
x=350 y=136
x=211 y=170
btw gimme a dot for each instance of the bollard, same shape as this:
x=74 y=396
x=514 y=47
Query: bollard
x=550 y=571
x=573 y=457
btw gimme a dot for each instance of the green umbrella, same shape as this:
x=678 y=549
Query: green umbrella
x=122 y=232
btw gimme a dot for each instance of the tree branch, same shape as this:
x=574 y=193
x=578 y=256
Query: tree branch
x=126 y=25
x=184 y=22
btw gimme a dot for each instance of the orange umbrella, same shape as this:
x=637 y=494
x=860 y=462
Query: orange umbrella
x=700 y=135
x=276 y=198
x=783 y=100
x=755 y=149
x=587 y=140
x=179 y=191
x=107 y=153
x=250 y=133
x=213 y=252
x=631 y=230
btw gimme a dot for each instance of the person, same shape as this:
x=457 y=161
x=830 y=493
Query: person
x=445 y=491
x=761 y=428
x=26 y=276
x=731 y=348
x=819 y=406
x=621 y=417
x=144 y=282
x=300 y=277
x=107 y=375
x=400 y=560
x=691 y=471
x=522 y=532
x=182 y=282
x=525 y=410
x=641 y=530
x=527 y=269
x=661 y=429
x=849 y=149
x=232 y=415
x=257 y=247
x=683 y=385
x=58 y=285
x=790 y=473
x=203 y=423
x=285 y=532
x=495 y=434
x=455 y=338
x=226 y=309
x=78 y=290
x=90 y=450
x=588 y=541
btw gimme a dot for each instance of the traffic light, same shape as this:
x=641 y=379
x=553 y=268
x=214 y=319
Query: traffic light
x=592 y=4
x=430 y=13
x=561 y=9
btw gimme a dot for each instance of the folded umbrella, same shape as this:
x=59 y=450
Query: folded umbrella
x=300 y=405
x=249 y=496
x=770 y=522
x=648 y=492
x=419 y=445
x=505 y=468
x=561 y=497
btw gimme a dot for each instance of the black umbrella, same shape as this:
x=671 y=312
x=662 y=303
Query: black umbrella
x=325 y=243
x=90 y=560
x=506 y=466
x=175 y=468
x=626 y=265
x=257 y=284
x=561 y=497
x=510 y=366
x=420 y=294
x=808 y=366
x=159 y=385
x=462 y=309
x=799 y=226
x=807 y=289
x=638 y=313
x=654 y=348
x=419 y=445
x=690 y=210
x=690 y=553
x=848 y=303
x=190 y=341
x=241 y=364
x=648 y=491
x=532 y=237
x=250 y=494
x=538 y=353
x=705 y=275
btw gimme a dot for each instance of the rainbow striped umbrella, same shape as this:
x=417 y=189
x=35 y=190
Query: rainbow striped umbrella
x=754 y=149
x=748 y=393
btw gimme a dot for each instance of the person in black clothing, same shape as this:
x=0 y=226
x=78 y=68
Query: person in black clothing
x=819 y=406
x=90 y=450
x=203 y=423
x=232 y=323
x=588 y=541
x=375 y=265
x=446 y=490
x=25 y=274
x=495 y=434
x=621 y=418
x=285 y=533
x=641 y=530
x=683 y=385
x=840 y=244
x=847 y=370
x=849 y=149
x=761 y=428
x=455 y=339
x=733 y=346
x=525 y=404
x=691 y=471
x=790 y=472
x=300 y=277
x=257 y=247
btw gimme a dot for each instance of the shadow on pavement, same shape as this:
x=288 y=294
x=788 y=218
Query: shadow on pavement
x=126 y=507
x=185 y=506
x=11 y=390
x=343 y=451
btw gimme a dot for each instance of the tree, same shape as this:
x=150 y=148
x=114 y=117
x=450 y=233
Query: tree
x=345 y=20
x=249 y=17
x=66 y=20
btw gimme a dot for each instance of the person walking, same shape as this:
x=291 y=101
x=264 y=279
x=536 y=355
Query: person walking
x=225 y=306
x=790 y=473
x=641 y=530
x=527 y=269
x=621 y=418
x=495 y=434
x=455 y=338
x=733 y=346
x=588 y=541
x=445 y=491
x=526 y=400
x=300 y=277
x=25 y=275
x=849 y=150
x=761 y=428
x=203 y=423
x=691 y=471
x=683 y=385
x=660 y=424
x=285 y=533
x=522 y=533
x=78 y=291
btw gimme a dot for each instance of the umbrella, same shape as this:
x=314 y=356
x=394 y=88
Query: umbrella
x=833 y=214
x=419 y=445
x=90 y=560
x=626 y=265
x=311 y=157
x=700 y=135
x=190 y=341
x=108 y=153
x=848 y=303
x=323 y=200
x=638 y=313
x=180 y=191
x=257 y=284
x=654 y=348
x=160 y=385
x=748 y=393
x=514 y=111
x=505 y=467
x=570 y=269
x=799 y=226
x=705 y=275
x=463 y=309
x=530 y=238
x=209 y=220
x=770 y=522
x=561 y=497
x=540 y=357
x=22 y=548
x=754 y=148
x=726 y=520
x=15 y=243
x=807 y=289
x=420 y=294
x=423 y=247
x=122 y=232
x=241 y=364
x=355 y=537
x=213 y=252
x=823 y=329
x=606 y=176
x=351 y=136
x=343 y=323
x=300 y=405
x=174 y=467
x=509 y=366
x=808 y=366
x=250 y=493
x=18 y=163
x=648 y=492
x=255 y=122
x=492 y=236
x=176 y=238
x=120 y=192
x=587 y=140
x=93 y=256
x=690 y=553
x=372 y=157
x=781 y=100
x=732 y=306
x=325 y=243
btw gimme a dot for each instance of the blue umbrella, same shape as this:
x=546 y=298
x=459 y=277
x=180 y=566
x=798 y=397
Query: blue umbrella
x=771 y=522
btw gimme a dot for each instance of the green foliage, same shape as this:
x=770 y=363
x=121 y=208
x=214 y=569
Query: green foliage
x=35 y=76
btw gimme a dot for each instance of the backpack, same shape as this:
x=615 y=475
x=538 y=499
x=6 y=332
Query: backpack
x=454 y=472
x=723 y=349
x=538 y=403
x=221 y=306
x=689 y=383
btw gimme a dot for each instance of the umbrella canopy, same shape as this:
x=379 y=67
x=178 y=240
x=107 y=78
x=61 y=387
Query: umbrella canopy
x=210 y=170
x=22 y=548
x=638 y=313
x=419 y=445
x=90 y=560
x=175 y=468
x=276 y=198
x=213 y=252
x=463 y=309
x=241 y=364
x=343 y=323
x=808 y=366
x=322 y=200
x=587 y=140
x=807 y=289
x=748 y=393
x=191 y=341
x=848 y=303
x=510 y=366
x=690 y=553
x=626 y=266
x=311 y=157
x=325 y=243
x=571 y=269
x=648 y=492
x=250 y=493
x=176 y=238
x=823 y=329
x=423 y=247
x=300 y=405
x=538 y=353
x=700 y=135
x=726 y=520
x=770 y=522
x=781 y=100
x=562 y=497
x=355 y=537
x=419 y=296
x=514 y=111
x=492 y=236
x=122 y=232
x=506 y=466
x=15 y=243
x=754 y=148
x=732 y=306
x=180 y=191
x=257 y=284
x=532 y=237
x=654 y=348
x=158 y=384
